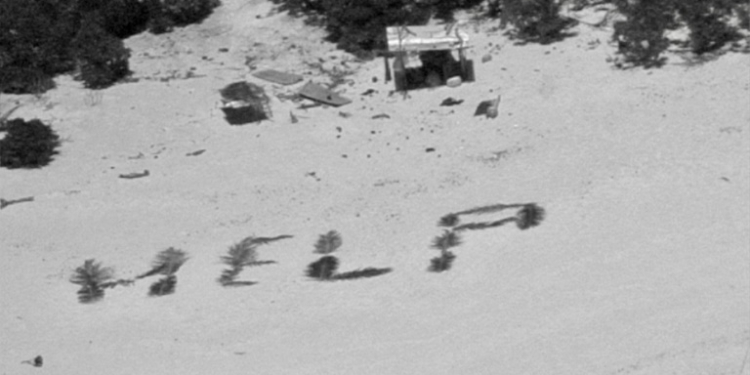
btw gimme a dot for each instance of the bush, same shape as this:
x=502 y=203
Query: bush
x=166 y=14
x=324 y=268
x=24 y=80
x=125 y=18
x=537 y=20
x=102 y=57
x=708 y=24
x=641 y=39
x=27 y=144
x=358 y=26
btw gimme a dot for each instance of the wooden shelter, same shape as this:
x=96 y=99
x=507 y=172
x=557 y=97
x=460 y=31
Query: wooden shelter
x=423 y=55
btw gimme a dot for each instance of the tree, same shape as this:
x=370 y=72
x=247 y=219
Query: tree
x=534 y=20
x=166 y=263
x=102 y=57
x=29 y=144
x=444 y=242
x=358 y=25
x=91 y=277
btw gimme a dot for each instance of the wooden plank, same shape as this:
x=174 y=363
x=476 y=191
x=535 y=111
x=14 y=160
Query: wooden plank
x=323 y=95
x=276 y=76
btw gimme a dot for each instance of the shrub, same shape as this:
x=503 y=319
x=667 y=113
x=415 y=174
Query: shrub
x=641 y=39
x=536 y=20
x=324 y=268
x=444 y=8
x=24 y=80
x=102 y=57
x=708 y=24
x=124 y=18
x=358 y=26
x=91 y=277
x=34 y=37
x=27 y=144
x=166 y=14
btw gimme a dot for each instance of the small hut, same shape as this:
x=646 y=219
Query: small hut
x=243 y=103
x=423 y=56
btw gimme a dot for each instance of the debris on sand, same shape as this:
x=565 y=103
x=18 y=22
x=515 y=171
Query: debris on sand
x=5 y=203
x=323 y=95
x=379 y=116
x=488 y=108
x=450 y=102
x=135 y=174
x=244 y=102
x=276 y=76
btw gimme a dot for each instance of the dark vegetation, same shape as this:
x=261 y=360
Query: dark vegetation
x=241 y=255
x=325 y=268
x=42 y=38
x=93 y=279
x=528 y=215
x=29 y=144
x=449 y=239
x=358 y=25
x=166 y=263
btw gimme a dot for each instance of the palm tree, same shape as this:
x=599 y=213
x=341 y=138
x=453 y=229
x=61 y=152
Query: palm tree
x=443 y=243
x=166 y=262
x=239 y=255
x=91 y=277
x=325 y=267
x=529 y=216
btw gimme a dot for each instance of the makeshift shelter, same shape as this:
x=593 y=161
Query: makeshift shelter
x=423 y=56
x=244 y=102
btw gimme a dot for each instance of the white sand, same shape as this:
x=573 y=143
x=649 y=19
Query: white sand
x=642 y=265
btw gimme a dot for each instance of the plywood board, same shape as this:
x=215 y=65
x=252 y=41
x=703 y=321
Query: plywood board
x=276 y=76
x=323 y=95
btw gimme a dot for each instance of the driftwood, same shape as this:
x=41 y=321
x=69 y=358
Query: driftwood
x=135 y=175
x=5 y=203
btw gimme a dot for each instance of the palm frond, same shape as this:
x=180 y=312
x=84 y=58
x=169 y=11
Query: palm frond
x=449 y=220
x=442 y=263
x=484 y=225
x=164 y=286
x=91 y=273
x=170 y=260
x=242 y=253
x=447 y=240
x=266 y=240
x=324 y=268
x=328 y=243
x=488 y=209
x=529 y=216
